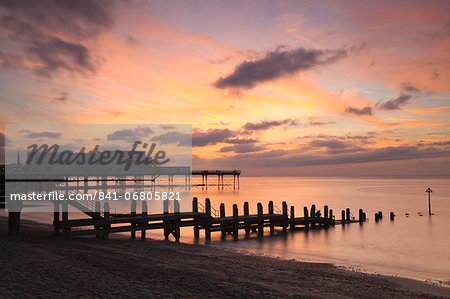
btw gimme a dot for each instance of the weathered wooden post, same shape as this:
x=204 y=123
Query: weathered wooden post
x=361 y=217
x=107 y=225
x=97 y=217
x=364 y=216
x=429 y=200
x=312 y=215
x=247 y=225
x=272 y=228
x=222 y=215
x=56 y=223
x=392 y=216
x=208 y=214
x=325 y=212
x=176 y=206
x=343 y=217
x=380 y=215
x=347 y=210
x=292 y=227
x=195 y=210
x=285 y=215
x=235 y=222
x=306 y=218
x=331 y=217
x=260 y=221
x=133 y=214
x=144 y=219
x=377 y=217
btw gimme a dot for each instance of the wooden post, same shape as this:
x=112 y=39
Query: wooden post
x=106 y=212
x=377 y=217
x=222 y=215
x=133 y=214
x=343 y=216
x=380 y=215
x=306 y=218
x=429 y=200
x=65 y=217
x=348 y=214
x=361 y=217
x=195 y=210
x=260 y=221
x=56 y=224
x=247 y=226
x=364 y=216
x=272 y=228
x=313 y=211
x=331 y=220
x=285 y=215
x=236 y=222
x=208 y=214
x=144 y=220
x=325 y=212
x=13 y=223
x=97 y=216
x=292 y=227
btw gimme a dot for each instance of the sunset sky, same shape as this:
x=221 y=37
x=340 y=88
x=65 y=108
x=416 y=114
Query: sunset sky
x=270 y=87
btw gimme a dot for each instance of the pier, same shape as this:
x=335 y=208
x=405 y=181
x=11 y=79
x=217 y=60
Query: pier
x=219 y=174
x=203 y=217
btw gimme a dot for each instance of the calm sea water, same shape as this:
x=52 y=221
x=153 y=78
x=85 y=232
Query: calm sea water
x=414 y=246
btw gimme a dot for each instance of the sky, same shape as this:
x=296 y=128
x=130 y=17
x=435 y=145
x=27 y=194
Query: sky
x=270 y=87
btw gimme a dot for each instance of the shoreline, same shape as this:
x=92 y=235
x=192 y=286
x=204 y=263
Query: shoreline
x=39 y=264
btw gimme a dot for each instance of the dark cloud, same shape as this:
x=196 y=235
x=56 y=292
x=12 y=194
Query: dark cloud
x=167 y=127
x=7 y=61
x=242 y=148
x=396 y=103
x=131 y=135
x=267 y=124
x=241 y=141
x=294 y=159
x=314 y=122
x=53 y=34
x=43 y=135
x=211 y=136
x=409 y=87
x=62 y=97
x=57 y=54
x=435 y=75
x=276 y=64
x=334 y=146
x=360 y=111
x=174 y=137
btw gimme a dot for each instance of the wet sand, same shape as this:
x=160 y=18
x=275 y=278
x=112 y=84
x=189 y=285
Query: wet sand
x=37 y=264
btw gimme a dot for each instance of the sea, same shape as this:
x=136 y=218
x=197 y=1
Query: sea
x=413 y=245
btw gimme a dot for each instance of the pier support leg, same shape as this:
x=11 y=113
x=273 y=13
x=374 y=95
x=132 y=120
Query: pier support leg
x=285 y=216
x=133 y=214
x=292 y=226
x=272 y=228
x=305 y=216
x=222 y=215
x=56 y=223
x=235 y=222
x=195 y=210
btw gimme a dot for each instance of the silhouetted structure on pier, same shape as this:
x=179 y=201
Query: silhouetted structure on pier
x=220 y=175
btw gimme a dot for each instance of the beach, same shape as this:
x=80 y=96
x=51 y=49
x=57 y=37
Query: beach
x=38 y=264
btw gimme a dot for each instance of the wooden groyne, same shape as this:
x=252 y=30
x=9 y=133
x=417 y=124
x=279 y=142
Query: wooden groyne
x=202 y=218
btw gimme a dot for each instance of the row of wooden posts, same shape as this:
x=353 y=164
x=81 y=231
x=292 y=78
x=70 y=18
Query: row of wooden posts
x=203 y=217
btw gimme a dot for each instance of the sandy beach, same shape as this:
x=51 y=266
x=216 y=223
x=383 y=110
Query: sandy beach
x=37 y=264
